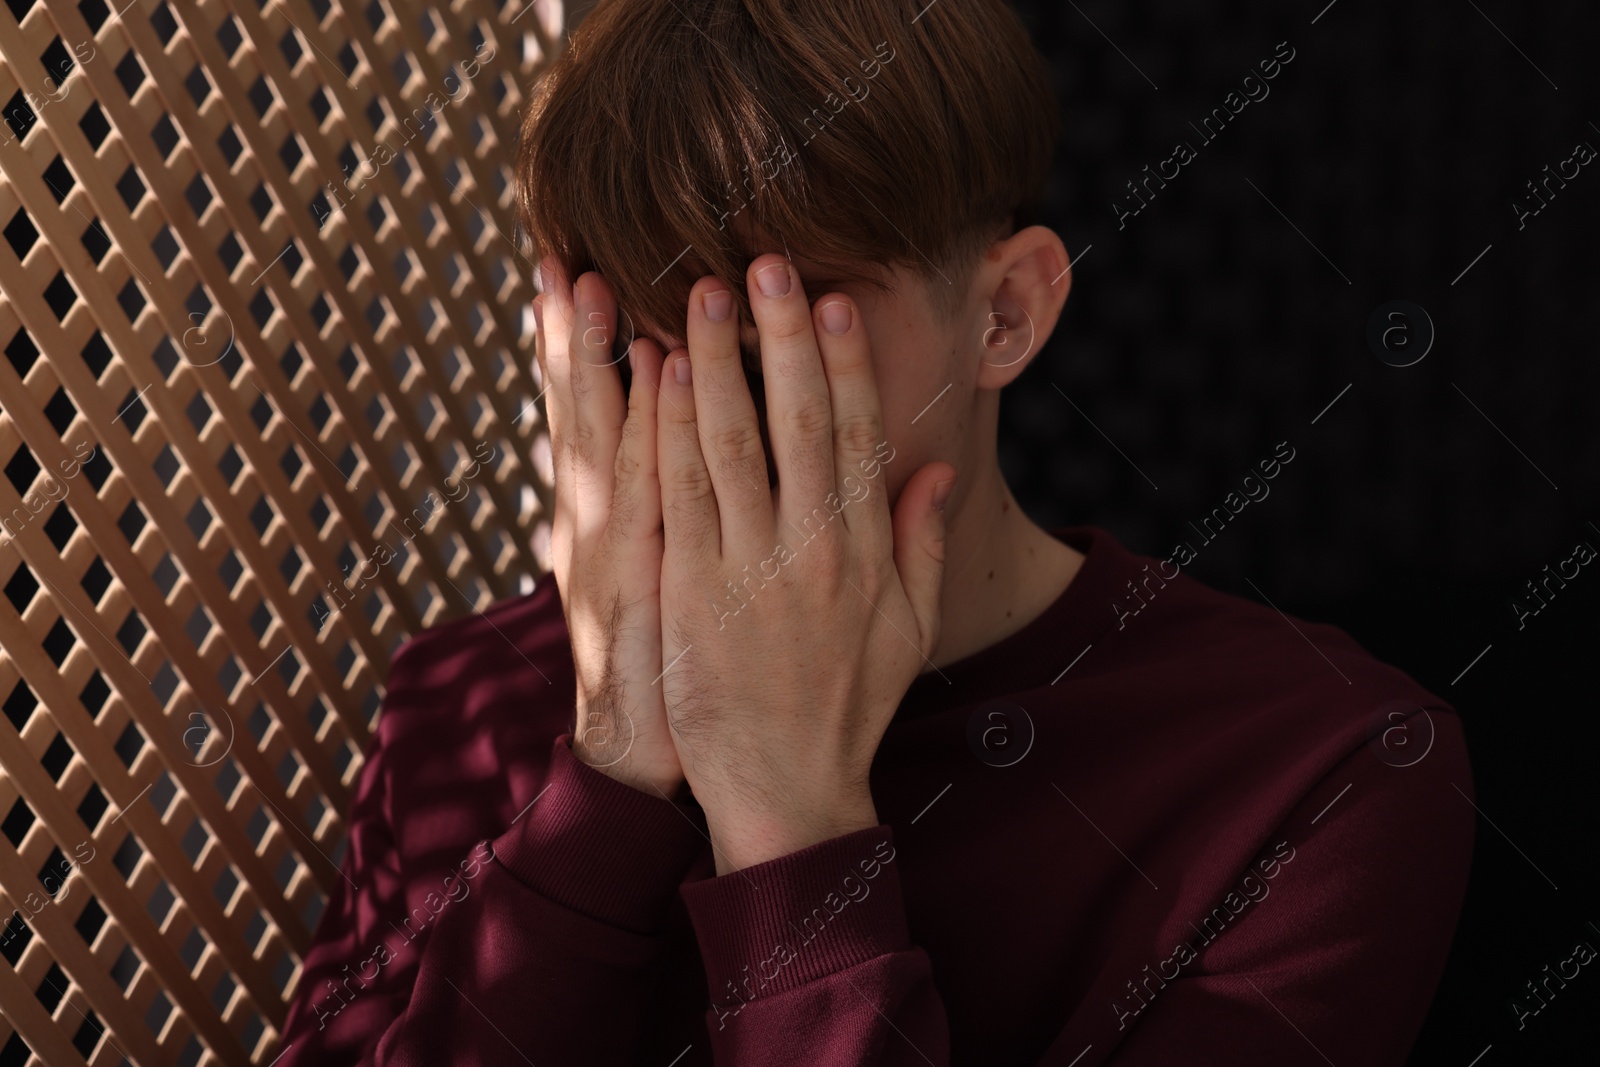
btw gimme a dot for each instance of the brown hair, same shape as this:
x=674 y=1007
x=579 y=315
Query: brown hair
x=678 y=138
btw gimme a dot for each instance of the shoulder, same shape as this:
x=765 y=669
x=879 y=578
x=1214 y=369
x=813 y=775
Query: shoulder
x=1248 y=667
x=512 y=635
x=1262 y=730
x=464 y=732
x=1258 y=712
x=479 y=675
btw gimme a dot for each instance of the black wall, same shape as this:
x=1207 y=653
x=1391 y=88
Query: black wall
x=1230 y=311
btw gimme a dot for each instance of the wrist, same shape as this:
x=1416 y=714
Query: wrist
x=664 y=781
x=741 y=840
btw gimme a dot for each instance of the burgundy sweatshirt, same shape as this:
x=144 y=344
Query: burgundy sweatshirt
x=1157 y=825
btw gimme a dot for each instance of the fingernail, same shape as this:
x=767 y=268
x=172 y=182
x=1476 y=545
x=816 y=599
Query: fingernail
x=774 y=280
x=544 y=276
x=836 y=317
x=718 y=305
x=680 y=370
x=941 y=493
x=633 y=362
x=538 y=314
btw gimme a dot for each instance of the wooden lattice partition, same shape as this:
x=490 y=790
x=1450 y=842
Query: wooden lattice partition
x=268 y=407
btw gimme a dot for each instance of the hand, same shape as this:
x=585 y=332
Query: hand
x=606 y=540
x=793 y=622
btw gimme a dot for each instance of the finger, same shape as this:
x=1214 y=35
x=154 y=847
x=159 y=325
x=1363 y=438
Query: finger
x=798 y=415
x=555 y=313
x=857 y=421
x=636 y=501
x=538 y=340
x=730 y=435
x=688 y=502
x=594 y=391
x=561 y=517
x=919 y=545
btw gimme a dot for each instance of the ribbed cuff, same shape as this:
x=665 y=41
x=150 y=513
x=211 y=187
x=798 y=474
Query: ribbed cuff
x=787 y=922
x=600 y=847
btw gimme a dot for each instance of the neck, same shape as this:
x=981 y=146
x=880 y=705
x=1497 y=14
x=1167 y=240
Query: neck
x=1001 y=569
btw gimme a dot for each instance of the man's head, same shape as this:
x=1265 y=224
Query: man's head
x=887 y=148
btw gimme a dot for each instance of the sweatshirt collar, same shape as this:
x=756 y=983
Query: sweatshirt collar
x=1048 y=648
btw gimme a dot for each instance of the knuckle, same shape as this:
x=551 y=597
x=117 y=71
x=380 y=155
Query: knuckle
x=632 y=450
x=738 y=442
x=856 y=435
x=628 y=465
x=828 y=566
x=807 y=416
x=579 y=444
x=787 y=328
x=820 y=528
x=690 y=482
x=872 y=581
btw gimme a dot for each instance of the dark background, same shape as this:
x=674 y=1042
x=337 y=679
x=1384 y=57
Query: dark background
x=1207 y=330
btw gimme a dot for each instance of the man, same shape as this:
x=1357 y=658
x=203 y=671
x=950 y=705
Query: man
x=816 y=749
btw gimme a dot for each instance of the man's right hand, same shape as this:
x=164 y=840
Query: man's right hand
x=606 y=535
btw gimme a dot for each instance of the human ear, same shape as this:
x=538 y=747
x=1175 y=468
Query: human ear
x=1029 y=277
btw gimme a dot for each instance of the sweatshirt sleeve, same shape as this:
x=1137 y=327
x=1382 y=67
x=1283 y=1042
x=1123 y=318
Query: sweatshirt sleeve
x=1342 y=945
x=809 y=961
x=558 y=915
